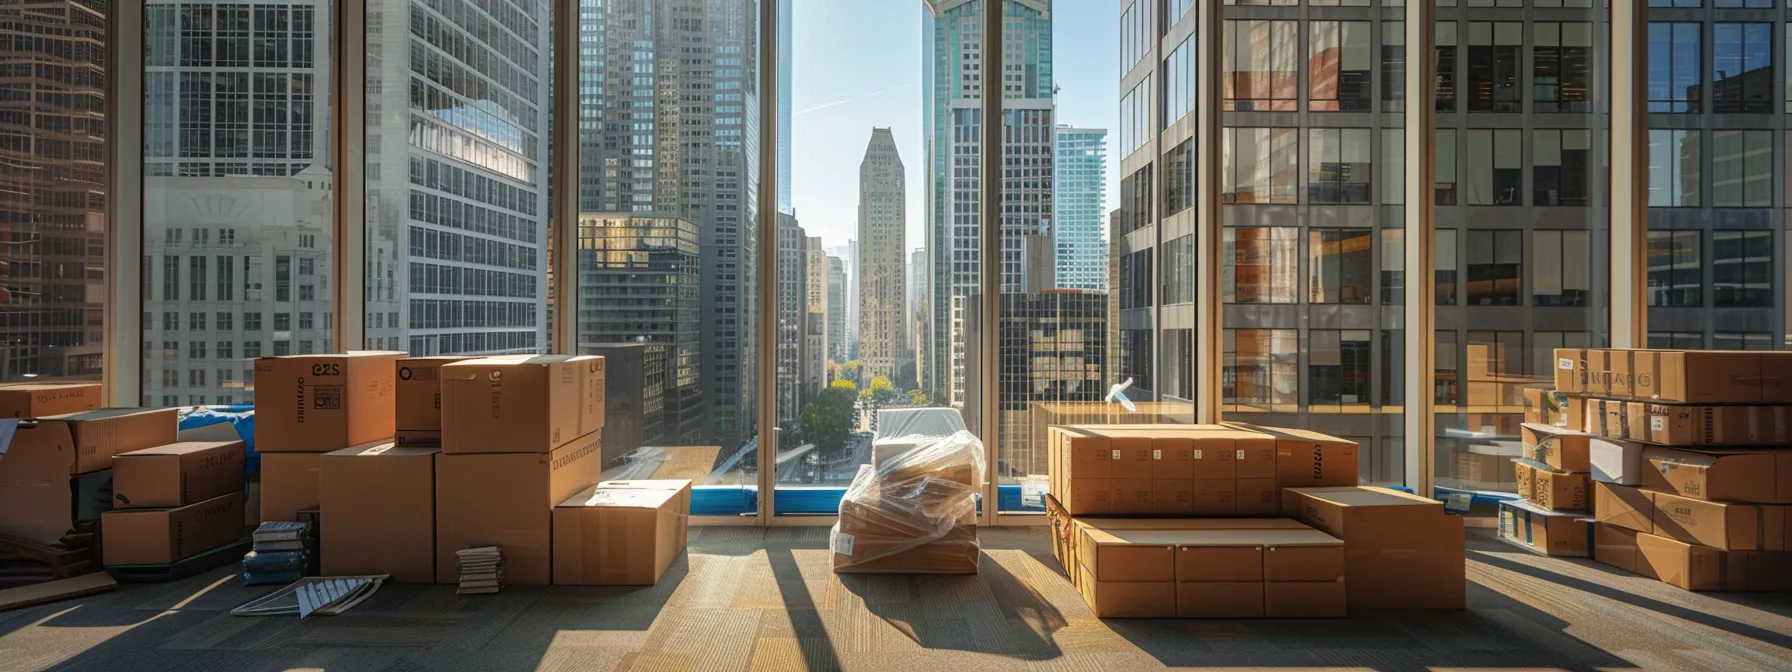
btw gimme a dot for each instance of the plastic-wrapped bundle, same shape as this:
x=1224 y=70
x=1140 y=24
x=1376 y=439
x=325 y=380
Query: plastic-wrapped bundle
x=915 y=512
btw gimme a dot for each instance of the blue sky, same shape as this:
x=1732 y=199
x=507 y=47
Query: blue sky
x=858 y=65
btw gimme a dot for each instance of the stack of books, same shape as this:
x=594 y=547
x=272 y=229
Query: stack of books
x=481 y=570
x=280 y=552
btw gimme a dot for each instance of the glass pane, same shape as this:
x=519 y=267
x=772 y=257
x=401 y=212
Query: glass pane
x=237 y=206
x=667 y=235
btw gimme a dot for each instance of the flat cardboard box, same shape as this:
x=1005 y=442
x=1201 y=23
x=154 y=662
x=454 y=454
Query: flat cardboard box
x=1066 y=529
x=1547 y=532
x=955 y=553
x=378 y=503
x=1734 y=527
x=1309 y=459
x=1401 y=551
x=1695 y=567
x=511 y=404
x=177 y=474
x=1616 y=546
x=1624 y=506
x=320 y=403
x=1690 y=425
x=36 y=400
x=1551 y=489
x=621 y=533
x=1615 y=460
x=1759 y=476
x=289 y=484
x=418 y=419
x=1206 y=571
x=45 y=455
x=507 y=500
x=1559 y=448
x=162 y=536
x=1712 y=377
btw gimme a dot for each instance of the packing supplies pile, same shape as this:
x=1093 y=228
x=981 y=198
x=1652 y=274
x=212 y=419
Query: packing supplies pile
x=1553 y=514
x=481 y=570
x=914 y=511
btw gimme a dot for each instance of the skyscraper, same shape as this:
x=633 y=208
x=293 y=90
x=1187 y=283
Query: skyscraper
x=793 y=318
x=917 y=313
x=691 y=155
x=953 y=115
x=837 y=349
x=815 y=354
x=881 y=245
x=786 y=83
x=1079 y=207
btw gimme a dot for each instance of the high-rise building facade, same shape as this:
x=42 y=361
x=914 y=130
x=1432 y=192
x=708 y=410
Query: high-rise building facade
x=882 y=223
x=815 y=288
x=691 y=154
x=638 y=284
x=1052 y=349
x=917 y=313
x=837 y=336
x=793 y=318
x=953 y=116
x=1079 y=207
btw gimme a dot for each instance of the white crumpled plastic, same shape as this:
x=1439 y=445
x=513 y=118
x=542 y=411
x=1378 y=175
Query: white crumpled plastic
x=910 y=499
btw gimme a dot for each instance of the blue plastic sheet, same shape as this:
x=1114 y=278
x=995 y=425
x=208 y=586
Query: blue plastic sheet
x=241 y=416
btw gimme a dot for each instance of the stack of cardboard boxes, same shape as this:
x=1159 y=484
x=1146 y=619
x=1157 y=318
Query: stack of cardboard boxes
x=913 y=509
x=1127 y=502
x=1552 y=514
x=1689 y=451
x=173 y=502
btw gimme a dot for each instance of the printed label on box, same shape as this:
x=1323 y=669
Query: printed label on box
x=843 y=544
x=1565 y=364
x=1658 y=423
x=1240 y=455
x=1157 y=454
x=1197 y=453
x=1116 y=457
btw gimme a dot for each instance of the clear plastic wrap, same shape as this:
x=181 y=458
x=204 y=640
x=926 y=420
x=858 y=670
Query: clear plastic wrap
x=920 y=504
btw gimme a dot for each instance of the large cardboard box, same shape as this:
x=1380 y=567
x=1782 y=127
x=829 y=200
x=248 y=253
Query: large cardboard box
x=1695 y=567
x=1759 y=476
x=1615 y=460
x=507 y=500
x=38 y=467
x=957 y=552
x=1735 y=527
x=1065 y=540
x=1616 y=546
x=1401 y=551
x=1552 y=489
x=620 y=533
x=1557 y=447
x=1710 y=377
x=1548 y=532
x=418 y=415
x=289 y=484
x=177 y=474
x=320 y=403
x=36 y=400
x=161 y=536
x=1307 y=459
x=378 y=503
x=1690 y=425
x=1624 y=506
x=512 y=404
x=1207 y=571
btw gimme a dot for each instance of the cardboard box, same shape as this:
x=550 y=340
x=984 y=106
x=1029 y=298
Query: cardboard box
x=1064 y=528
x=1257 y=497
x=378 y=504
x=36 y=400
x=1615 y=460
x=1616 y=546
x=161 y=536
x=289 y=484
x=1542 y=407
x=955 y=553
x=1547 y=532
x=1401 y=551
x=1734 y=527
x=1624 y=506
x=177 y=474
x=1570 y=370
x=1309 y=459
x=1206 y=571
x=1695 y=567
x=620 y=533
x=418 y=401
x=1690 y=425
x=320 y=403
x=507 y=500
x=1557 y=447
x=1759 y=476
x=1551 y=489
x=511 y=404
x=592 y=379
x=39 y=465
x=1712 y=377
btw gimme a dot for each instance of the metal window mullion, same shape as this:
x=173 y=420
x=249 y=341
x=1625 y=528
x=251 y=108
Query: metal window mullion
x=1420 y=318
x=766 y=214
x=348 y=136
x=1629 y=174
x=989 y=270
x=1209 y=339
x=563 y=226
x=122 y=369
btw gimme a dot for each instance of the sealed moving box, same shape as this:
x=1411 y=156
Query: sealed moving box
x=161 y=536
x=1616 y=546
x=593 y=379
x=515 y=404
x=1209 y=571
x=1559 y=448
x=320 y=403
x=36 y=400
x=1551 y=489
x=38 y=467
x=1677 y=376
x=621 y=533
x=1559 y=533
x=1688 y=425
x=289 y=484
x=177 y=474
x=1696 y=567
x=1187 y=470
x=1543 y=407
x=378 y=503
x=1064 y=537
x=418 y=403
x=1761 y=476
x=1624 y=506
x=1735 y=527
x=902 y=517
x=1401 y=551
x=1307 y=459
x=508 y=500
